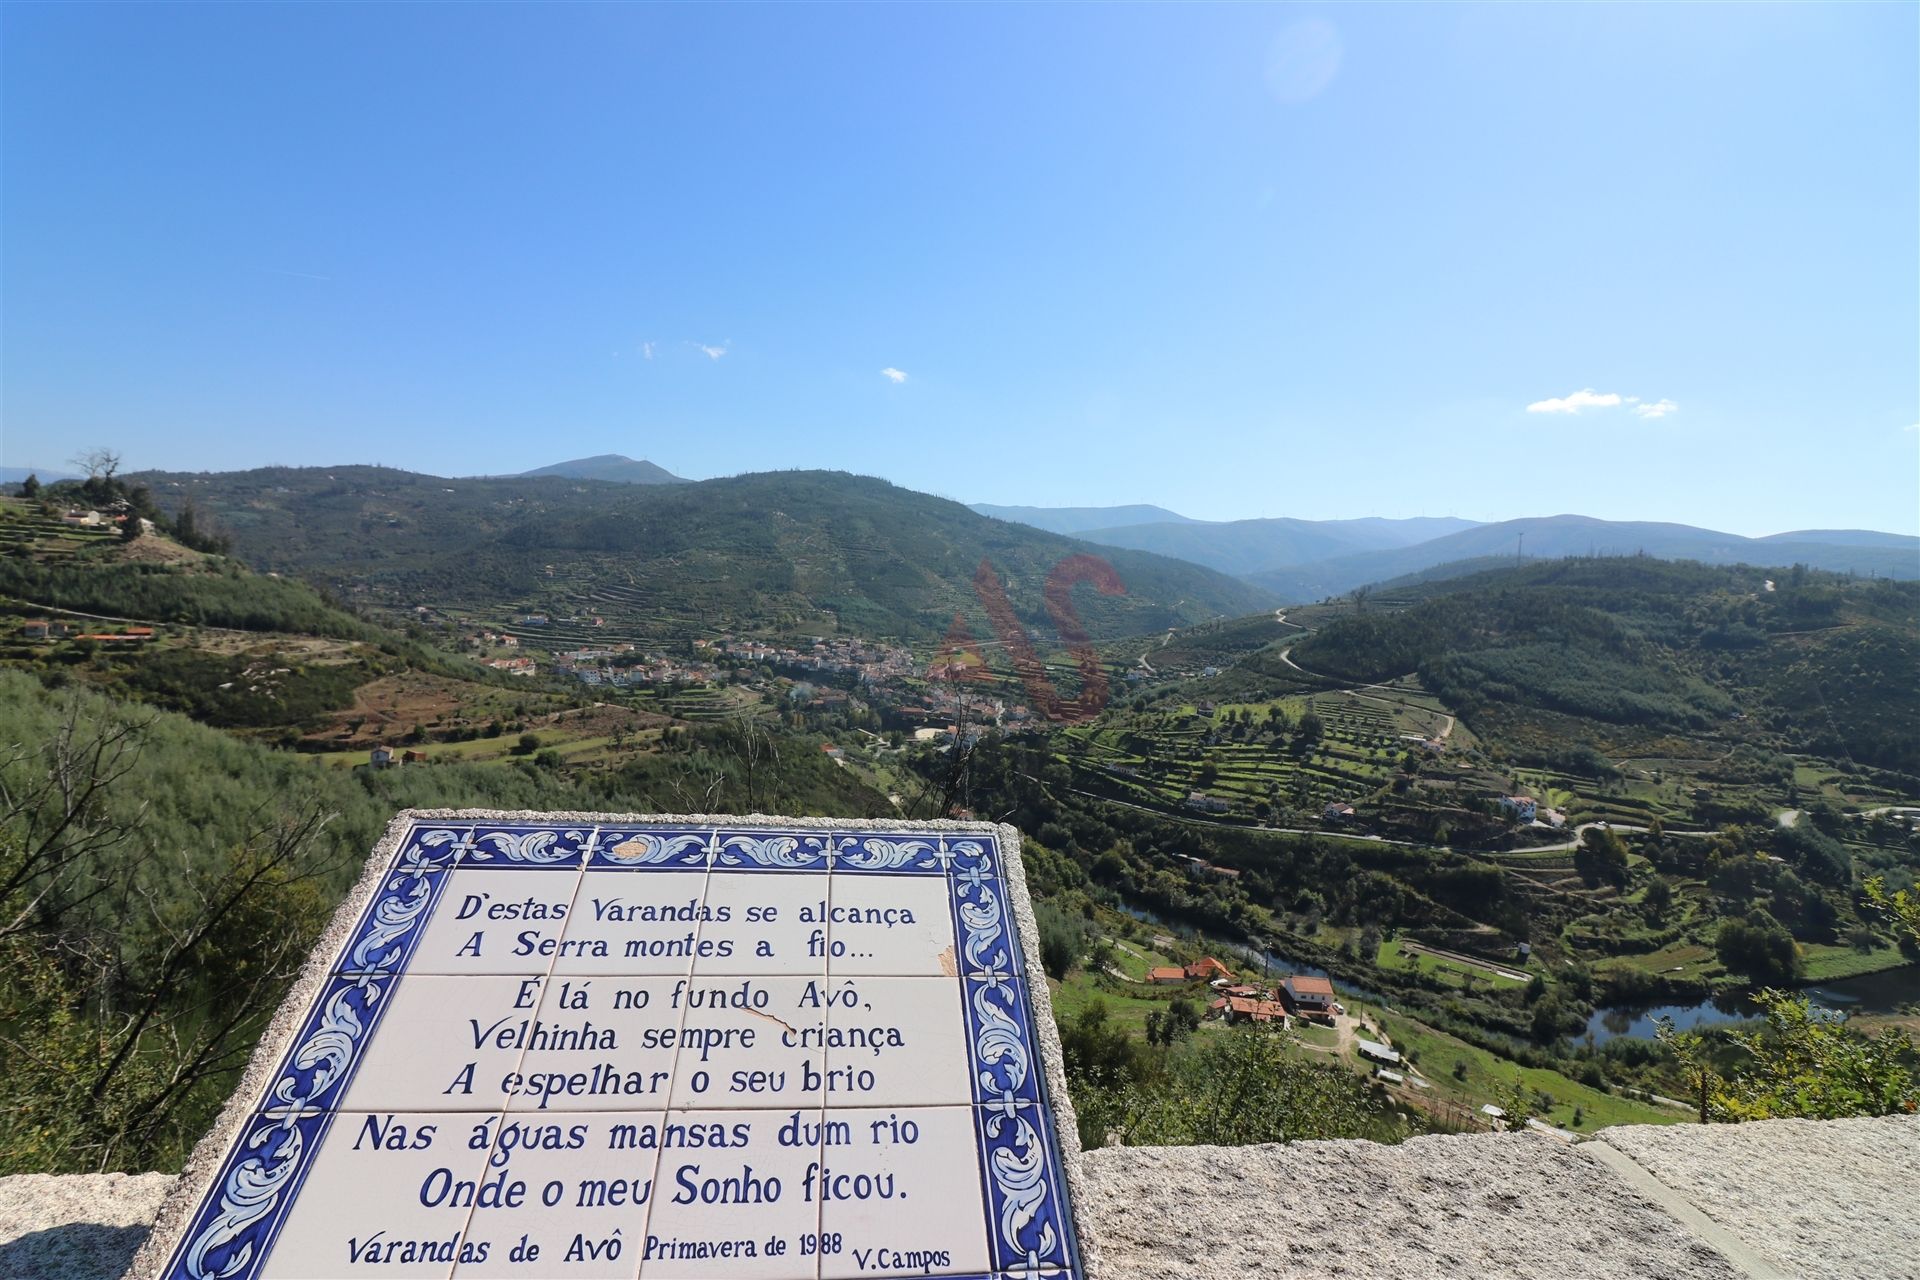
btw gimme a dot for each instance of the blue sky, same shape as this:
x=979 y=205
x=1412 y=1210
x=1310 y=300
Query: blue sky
x=1239 y=261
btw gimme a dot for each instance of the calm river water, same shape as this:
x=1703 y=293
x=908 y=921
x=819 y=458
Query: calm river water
x=1881 y=992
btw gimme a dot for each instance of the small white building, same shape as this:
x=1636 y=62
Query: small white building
x=1376 y=1051
x=1524 y=808
x=1308 y=994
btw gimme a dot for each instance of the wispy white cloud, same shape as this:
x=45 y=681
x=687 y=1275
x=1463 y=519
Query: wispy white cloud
x=1912 y=427
x=646 y=350
x=1587 y=399
x=713 y=353
x=893 y=375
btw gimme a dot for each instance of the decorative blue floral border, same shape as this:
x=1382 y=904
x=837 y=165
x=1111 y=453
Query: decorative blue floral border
x=1029 y=1229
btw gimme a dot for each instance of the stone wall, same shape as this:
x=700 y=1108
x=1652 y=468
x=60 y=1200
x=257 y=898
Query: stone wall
x=1788 y=1198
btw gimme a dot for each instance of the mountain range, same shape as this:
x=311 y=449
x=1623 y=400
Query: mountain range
x=788 y=552
x=1862 y=552
x=823 y=551
x=1076 y=521
x=1301 y=560
x=1244 y=547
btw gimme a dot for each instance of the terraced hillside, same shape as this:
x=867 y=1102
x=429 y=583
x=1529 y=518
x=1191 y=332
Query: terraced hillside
x=26 y=530
x=1634 y=656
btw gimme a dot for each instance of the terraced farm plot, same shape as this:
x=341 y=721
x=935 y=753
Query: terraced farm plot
x=1162 y=758
x=26 y=531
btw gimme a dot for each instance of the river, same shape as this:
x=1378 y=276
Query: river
x=1882 y=992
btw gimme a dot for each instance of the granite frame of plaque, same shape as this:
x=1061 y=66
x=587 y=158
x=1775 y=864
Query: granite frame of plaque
x=633 y=1047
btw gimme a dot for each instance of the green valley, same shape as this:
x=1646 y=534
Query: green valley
x=1499 y=807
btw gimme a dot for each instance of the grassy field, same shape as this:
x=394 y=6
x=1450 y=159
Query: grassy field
x=1825 y=963
x=1135 y=960
x=1314 y=1034
x=1393 y=955
x=1127 y=1004
x=1488 y=1077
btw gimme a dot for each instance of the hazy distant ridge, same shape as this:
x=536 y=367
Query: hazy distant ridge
x=1248 y=546
x=1884 y=555
x=1077 y=520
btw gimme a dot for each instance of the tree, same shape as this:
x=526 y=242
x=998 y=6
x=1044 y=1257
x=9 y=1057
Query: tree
x=30 y=487
x=1659 y=897
x=1063 y=938
x=1902 y=907
x=1805 y=1063
x=1689 y=1049
x=1517 y=1101
x=1183 y=1016
x=528 y=744
x=133 y=978
x=55 y=801
x=1601 y=857
x=1309 y=729
x=131 y=528
x=1097 y=1052
x=1757 y=946
x=1242 y=1086
x=100 y=464
x=190 y=530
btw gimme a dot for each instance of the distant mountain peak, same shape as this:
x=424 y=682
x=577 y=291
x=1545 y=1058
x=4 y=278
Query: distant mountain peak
x=1074 y=521
x=610 y=466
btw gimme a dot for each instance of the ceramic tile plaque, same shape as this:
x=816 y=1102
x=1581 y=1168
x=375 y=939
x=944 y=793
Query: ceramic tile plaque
x=594 y=1048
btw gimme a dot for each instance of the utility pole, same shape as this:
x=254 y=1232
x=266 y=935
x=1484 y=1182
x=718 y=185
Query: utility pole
x=1521 y=552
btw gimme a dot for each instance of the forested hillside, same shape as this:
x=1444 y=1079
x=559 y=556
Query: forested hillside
x=1820 y=662
x=793 y=552
x=162 y=880
x=209 y=593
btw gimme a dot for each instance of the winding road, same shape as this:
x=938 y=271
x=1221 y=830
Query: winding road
x=1361 y=690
